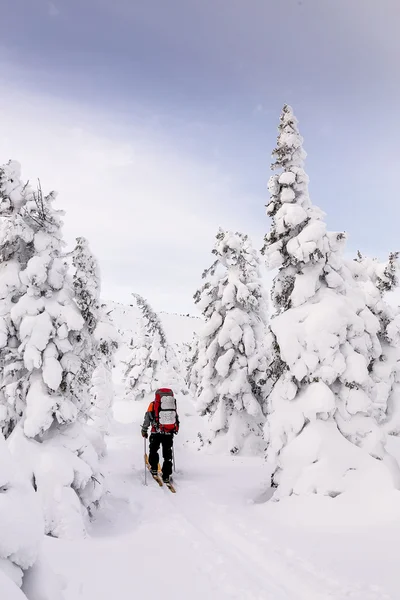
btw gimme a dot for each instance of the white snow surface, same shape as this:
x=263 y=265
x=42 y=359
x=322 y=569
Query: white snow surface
x=218 y=538
x=21 y=523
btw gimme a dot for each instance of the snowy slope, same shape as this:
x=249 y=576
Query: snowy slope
x=218 y=537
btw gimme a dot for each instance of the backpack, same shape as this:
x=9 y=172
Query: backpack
x=165 y=411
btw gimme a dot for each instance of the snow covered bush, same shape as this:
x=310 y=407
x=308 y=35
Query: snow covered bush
x=21 y=523
x=324 y=339
x=152 y=362
x=64 y=466
x=229 y=360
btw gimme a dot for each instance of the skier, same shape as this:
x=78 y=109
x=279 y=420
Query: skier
x=163 y=418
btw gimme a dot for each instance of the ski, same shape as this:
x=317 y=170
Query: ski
x=171 y=487
x=158 y=477
x=155 y=477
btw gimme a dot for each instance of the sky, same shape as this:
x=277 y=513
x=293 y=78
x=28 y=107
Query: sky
x=155 y=121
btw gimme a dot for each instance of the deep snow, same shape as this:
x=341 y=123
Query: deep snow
x=218 y=538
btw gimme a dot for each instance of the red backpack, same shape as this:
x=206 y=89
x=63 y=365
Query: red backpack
x=165 y=411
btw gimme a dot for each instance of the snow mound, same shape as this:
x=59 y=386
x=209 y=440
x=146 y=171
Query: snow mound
x=65 y=469
x=321 y=461
x=21 y=523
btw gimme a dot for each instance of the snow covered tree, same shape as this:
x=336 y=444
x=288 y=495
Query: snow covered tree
x=16 y=249
x=321 y=429
x=98 y=340
x=86 y=286
x=376 y=279
x=229 y=360
x=86 y=282
x=296 y=242
x=189 y=361
x=152 y=362
x=47 y=322
x=46 y=319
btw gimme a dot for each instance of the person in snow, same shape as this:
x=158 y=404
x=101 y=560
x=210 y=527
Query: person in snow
x=163 y=418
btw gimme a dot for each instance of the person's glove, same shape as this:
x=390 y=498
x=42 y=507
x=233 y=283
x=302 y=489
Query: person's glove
x=144 y=433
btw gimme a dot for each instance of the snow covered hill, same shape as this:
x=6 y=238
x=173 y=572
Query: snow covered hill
x=178 y=328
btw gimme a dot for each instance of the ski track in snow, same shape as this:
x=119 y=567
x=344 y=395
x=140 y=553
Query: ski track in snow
x=203 y=542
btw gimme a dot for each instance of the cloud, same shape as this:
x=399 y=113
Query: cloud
x=149 y=210
x=53 y=10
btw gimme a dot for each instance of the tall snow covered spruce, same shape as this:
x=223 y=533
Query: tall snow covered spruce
x=50 y=439
x=230 y=357
x=321 y=429
x=46 y=319
x=152 y=362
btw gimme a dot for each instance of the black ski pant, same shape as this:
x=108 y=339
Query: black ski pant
x=165 y=440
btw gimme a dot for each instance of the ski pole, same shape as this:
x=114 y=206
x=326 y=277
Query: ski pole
x=145 y=466
x=173 y=458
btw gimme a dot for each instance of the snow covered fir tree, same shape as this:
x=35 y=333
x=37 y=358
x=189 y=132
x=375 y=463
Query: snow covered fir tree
x=98 y=340
x=51 y=330
x=377 y=279
x=16 y=248
x=43 y=396
x=230 y=357
x=190 y=356
x=322 y=432
x=152 y=362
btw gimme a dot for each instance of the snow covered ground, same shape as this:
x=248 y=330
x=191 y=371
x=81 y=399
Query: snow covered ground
x=218 y=538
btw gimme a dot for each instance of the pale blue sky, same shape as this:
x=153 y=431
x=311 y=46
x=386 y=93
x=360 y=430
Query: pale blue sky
x=184 y=94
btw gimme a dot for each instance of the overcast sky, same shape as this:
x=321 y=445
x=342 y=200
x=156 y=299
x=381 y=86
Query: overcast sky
x=155 y=121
